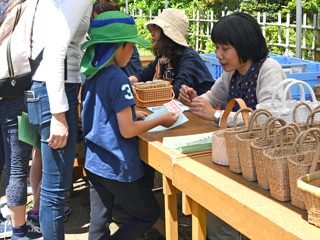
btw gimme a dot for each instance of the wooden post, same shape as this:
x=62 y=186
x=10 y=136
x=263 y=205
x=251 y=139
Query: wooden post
x=197 y=32
x=279 y=27
x=201 y=31
x=318 y=40
x=287 y=34
x=170 y=208
x=199 y=221
x=304 y=24
x=314 y=37
x=264 y=19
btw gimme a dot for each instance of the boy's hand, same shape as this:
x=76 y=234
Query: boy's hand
x=141 y=115
x=168 y=119
x=186 y=95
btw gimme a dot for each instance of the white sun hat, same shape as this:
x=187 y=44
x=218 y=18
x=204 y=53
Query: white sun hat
x=174 y=24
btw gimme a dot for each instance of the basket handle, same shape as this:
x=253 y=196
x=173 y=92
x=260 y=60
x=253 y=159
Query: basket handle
x=311 y=116
x=299 y=83
x=296 y=108
x=302 y=137
x=264 y=127
x=241 y=111
x=270 y=122
x=280 y=132
x=135 y=94
x=255 y=115
x=315 y=160
x=296 y=126
x=275 y=91
x=231 y=103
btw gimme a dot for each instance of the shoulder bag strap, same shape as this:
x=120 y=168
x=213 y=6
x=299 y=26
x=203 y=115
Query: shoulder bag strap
x=9 y=61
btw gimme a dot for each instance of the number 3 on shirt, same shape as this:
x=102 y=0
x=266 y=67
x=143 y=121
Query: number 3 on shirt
x=127 y=87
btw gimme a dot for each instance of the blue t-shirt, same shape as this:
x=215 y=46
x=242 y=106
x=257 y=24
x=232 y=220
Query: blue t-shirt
x=108 y=153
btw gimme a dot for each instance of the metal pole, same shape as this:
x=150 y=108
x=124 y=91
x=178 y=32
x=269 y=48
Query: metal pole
x=127 y=6
x=298 y=28
x=166 y=4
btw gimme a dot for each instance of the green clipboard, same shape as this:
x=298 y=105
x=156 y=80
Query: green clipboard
x=28 y=132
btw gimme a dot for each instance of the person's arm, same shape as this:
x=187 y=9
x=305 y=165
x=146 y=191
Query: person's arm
x=146 y=74
x=190 y=71
x=62 y=27
x=63 y=23
x=129 y=128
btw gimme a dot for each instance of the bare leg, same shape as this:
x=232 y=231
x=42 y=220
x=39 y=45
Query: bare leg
x=18 y=215
x=36 y=177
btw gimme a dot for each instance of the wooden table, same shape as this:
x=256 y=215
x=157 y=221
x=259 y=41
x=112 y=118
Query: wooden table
x=162 y=159
x=240 y=203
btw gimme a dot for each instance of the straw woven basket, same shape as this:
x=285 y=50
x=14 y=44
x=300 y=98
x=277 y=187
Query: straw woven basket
x=276 y=160
x=230 y=134
x=231 y=143
x=310 y=186
x=299 y=118
x=219 y=147
x=314 y=115
x=300 y=164
x=244 y=146
x=152 y=96
x=264 y=143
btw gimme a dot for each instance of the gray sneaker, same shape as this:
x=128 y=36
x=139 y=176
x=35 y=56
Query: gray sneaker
x=5 y=228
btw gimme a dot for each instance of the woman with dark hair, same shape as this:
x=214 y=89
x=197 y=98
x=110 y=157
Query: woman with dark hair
x=248 y=71
x=248 y=74
x=174 y=59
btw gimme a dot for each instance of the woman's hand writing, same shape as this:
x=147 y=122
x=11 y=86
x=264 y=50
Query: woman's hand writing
x=59 y=131
x=202 y=108
x=187 y=94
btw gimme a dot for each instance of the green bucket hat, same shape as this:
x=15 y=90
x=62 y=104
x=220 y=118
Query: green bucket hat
x=109 y=27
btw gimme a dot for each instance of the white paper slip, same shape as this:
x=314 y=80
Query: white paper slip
x=182 y=119
x=156 y=108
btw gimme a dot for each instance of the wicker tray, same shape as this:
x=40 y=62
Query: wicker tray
x=152 y=96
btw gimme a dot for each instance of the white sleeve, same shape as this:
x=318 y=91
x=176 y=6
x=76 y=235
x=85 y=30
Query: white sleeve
x=63 y=23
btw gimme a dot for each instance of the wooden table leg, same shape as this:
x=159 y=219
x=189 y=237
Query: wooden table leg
x=170 y=209
x=199 y=221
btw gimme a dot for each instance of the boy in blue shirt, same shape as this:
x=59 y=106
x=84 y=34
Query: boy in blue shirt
x=110 y=128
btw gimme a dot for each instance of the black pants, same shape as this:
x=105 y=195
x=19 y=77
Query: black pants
x=119 y=215
x=135 y=197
